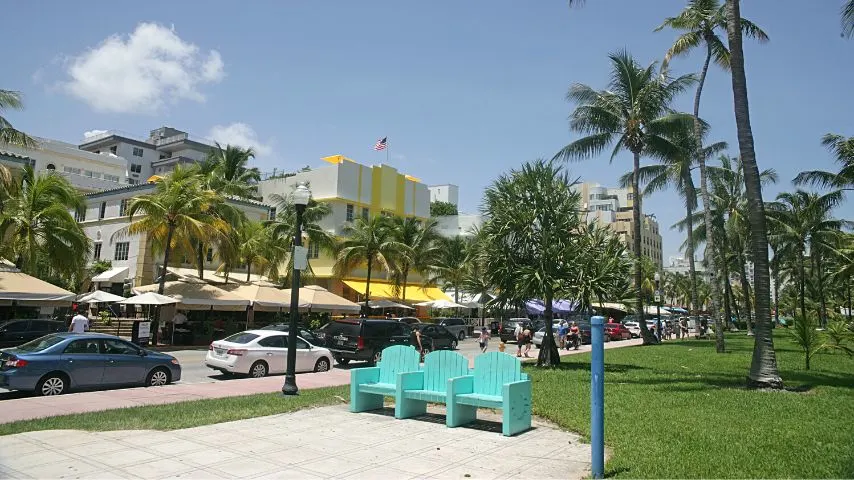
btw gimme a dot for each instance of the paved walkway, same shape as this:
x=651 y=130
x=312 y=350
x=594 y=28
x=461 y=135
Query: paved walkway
x=326 y=442
x=39 y=407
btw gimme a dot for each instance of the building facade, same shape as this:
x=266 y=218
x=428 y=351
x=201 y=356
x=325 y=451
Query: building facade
x=447 y=193
x=613 y=207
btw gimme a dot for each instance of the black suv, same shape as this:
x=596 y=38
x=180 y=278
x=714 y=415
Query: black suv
x=19 y=332
x=363 y=339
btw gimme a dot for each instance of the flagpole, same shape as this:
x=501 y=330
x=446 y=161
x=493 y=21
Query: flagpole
x=386 y=151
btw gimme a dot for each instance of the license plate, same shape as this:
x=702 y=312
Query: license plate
x=220 y=352
x=340 y=342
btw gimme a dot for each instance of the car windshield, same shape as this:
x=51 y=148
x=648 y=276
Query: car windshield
x=242 y=337
x=40 y=344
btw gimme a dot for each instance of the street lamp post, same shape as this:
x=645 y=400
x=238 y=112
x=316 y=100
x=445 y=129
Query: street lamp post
x=658 y=304
x=300 y=198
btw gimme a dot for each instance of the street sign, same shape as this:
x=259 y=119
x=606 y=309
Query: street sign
x=300 y=258
x=657 y=298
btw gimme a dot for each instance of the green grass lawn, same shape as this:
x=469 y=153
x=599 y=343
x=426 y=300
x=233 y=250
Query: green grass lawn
x=679 y=410
x=184 y=414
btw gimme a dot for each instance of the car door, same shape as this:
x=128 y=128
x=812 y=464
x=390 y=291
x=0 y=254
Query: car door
x=83 y=362
x=305 y=356
x=124 y=363
x=274 y=351
x=400 y=334
x=443 y=337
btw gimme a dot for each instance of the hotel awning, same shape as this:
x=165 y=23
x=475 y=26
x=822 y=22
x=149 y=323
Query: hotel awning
x=198 y=296
x=414 y=293
x=113 y=275
x=26 y=290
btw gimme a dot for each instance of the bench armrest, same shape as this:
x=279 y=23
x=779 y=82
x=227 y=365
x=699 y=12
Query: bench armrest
x=359 y=376
x=410 y=381
x=518 y=390
x=460 y=385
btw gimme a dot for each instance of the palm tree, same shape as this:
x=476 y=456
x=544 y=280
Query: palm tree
x=228 y=174
x=38 y=232
x=843 y=149
x=763 y=367
x=421 y=250
x=254 y=247
x=474 y=277
x=370 y=243
x=700 y=21
x=635 y=115
x=178 y=211
x=801 y=223
x=283 y=229
x=677 y=172
x=601 y=266
x=451 y=267
x=848 y=18
x=12 y=100
x=532 y=214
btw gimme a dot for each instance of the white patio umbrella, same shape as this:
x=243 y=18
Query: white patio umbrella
x=149 y=298
x=387 y=304
x=100 y=296
x=440 y=304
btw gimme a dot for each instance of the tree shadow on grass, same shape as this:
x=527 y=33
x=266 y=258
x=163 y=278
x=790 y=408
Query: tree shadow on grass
x=609 y=367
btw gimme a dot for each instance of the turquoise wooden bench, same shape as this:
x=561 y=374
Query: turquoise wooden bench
x=369 y=385
x=416 y=389
x=497 y=382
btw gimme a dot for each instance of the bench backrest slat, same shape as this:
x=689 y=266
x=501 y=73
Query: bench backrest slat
x=492 y=370
x=398 y=359
x=441 y=365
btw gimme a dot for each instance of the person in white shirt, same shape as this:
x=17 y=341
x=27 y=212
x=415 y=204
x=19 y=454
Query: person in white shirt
x=179 y=319
x=79 y=323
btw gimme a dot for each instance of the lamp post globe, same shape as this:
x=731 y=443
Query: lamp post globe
x=300 y=199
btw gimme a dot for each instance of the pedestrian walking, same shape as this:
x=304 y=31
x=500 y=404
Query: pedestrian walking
x=562 y=330
x=528 y=336
x=79 y=323
x=519 y=333
x=484 y=339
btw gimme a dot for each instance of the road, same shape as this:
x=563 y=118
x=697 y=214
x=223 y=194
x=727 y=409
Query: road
x=194 y=369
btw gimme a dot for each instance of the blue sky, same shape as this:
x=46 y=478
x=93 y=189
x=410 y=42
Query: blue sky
x=463 y=90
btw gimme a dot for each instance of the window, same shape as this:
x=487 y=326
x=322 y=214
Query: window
x=137 y=152
x=365 y=213
x=314 y=250
x=135 y=168
x=114 y=149
x=111 y=178
x=241 y=338
x=82 y=347
x=630 y=196
x=209 y=255
x=132 y=181
x=96 y=254
x=275 y=341
x=122 y=249
x=302 y=344
x=117 y=347
x=81 y=215
x=349 y=212
x=123 y=207
x=75 y=171
x=103 y=210
x=51 y=166
x=88 y=173
x=16 y=327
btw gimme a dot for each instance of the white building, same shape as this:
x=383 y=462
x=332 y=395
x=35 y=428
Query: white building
x=464 y=224
x=679 y=264
x=132 y=255
x=158 y=154
x=445 y=193
x=87 y=171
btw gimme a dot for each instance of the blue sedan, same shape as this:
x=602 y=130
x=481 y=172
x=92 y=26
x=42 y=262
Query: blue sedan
x=59 y=362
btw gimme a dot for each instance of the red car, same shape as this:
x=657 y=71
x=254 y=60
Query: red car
x=617 y=331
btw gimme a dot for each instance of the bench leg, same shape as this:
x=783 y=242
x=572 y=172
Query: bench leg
x=408 y=407
x=516 y=411
x=459 y=415
x=362 y=402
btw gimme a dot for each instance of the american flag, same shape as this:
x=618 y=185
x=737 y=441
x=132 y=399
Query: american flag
x=381 y=144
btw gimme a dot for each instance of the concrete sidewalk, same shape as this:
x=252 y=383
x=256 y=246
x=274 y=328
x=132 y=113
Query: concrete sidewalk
x=327 y=442
x=40 y=407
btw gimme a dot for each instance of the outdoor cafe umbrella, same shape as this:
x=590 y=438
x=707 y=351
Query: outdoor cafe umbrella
x=387 y=304
x=100 y=296
x=149 y=298
x=315 y=297
x=440 y=304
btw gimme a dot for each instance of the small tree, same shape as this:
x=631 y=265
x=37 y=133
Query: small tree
x=442 y=209
x=805 y=336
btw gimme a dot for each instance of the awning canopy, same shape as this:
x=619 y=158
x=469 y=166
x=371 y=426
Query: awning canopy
x=26 y=290
x=387 y=304
x=198 y=296
x=317 y=298
x=440 y=304
x=149 y=298
x=414 y=293
x=113 y=275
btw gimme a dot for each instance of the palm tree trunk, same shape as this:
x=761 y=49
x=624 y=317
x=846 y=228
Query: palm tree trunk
x=848 y=284
x=776 y=294
x=167 y=250
x=368 y=286
x=822 y=313
x=405 y=275
x=802 y=287
x=648 y=338
x=248 y=271
x=692 y=269
x=763 y=367
x=200 y=260
x=713 y=262
x=549 y=355
x=728 y=302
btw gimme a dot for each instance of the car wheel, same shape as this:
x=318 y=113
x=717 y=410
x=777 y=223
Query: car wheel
x=453 y=344
x=53 y=384
x=322 y=365
x=462 y=336
x=258 y=370
x=342 y=361
x=375 y=359
x=157 y=378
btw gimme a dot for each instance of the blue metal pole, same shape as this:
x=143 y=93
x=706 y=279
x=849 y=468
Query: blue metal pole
x=597 y=396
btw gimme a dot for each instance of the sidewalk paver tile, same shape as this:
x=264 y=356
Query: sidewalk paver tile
x=244 y=468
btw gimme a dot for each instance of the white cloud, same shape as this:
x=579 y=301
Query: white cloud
x=242 y=135
x=93 y=133
x=142 y=72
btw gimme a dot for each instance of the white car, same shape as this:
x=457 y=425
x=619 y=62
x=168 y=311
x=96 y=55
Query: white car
x=634 y=329
x=539 y=334
x=258 y=353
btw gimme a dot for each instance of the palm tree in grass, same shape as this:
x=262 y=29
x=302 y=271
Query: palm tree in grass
x=282 y=230
x=11 y=100
x=602 y=267
x=178 y=211
x=677 y=171
x=450 y=270
x=370 y=243
x=37 y=231
x=843 y=150
x=633 y=114
x=474 y=279
x=421 y=250
x=700 y=21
